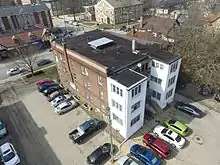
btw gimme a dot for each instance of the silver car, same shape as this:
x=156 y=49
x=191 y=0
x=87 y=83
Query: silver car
x=59 y=99
x=3 y=130
x=65 y=106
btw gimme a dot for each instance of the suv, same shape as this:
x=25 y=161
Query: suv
x=8 y=154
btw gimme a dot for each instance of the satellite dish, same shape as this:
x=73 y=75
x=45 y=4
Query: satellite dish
x=139 y=65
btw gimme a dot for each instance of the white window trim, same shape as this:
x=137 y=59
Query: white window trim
x=84 y=70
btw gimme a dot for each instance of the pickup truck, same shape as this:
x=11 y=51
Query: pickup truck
x=84 y=130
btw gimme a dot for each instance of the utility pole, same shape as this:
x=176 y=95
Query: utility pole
x=110 y=131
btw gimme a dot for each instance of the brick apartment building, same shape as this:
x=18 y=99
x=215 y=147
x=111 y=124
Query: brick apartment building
x=105 y=70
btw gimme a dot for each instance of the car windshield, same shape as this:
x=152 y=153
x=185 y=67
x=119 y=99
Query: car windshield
x=164 y=130
x=2 y=126
x=172 y=122
x=9 y=156
x=141 y=150
x=178 y=138
x=128 y=161
x=154 y=160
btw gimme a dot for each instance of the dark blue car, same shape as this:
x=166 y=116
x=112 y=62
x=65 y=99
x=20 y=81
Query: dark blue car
x=44 y=86
x=51 y=89
x=144 y=155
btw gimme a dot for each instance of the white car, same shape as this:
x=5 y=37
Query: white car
x=8 y=154
x=169 y=136
x=65 y=106
x=59 y=99
x=13 y=71
x=125 y=160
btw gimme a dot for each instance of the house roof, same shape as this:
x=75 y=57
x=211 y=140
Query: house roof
x=127 y=77
x=118 y=54
x=123 y=3
x=8 y=42
x=147 y=37
x=159 y=24
x=17 y=10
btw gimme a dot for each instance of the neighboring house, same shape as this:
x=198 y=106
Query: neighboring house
x=212 y=22
x=113 y=75
x=89 y=13
x=17 y=19
x=161 y=28
x=116 y=11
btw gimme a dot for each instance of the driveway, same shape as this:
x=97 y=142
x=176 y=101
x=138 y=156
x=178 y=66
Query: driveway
x=41 y=137
x=193 y=153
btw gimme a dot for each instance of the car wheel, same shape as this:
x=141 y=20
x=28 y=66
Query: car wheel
x=80 y=141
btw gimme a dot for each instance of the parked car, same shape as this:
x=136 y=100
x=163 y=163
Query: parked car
x=13 y=71
x=65 y=106
x=157 y=145
x=43 y=62
x=125 y=160
x=169 y=136
x=51 y=89
x=9 y=155
x=3 y=130
x=43 y=81
x=177 y=126
x=144 y=155
x=189 y=109
x=60 y=99
x=100 y=154
x=44 y=86
x=84 y=130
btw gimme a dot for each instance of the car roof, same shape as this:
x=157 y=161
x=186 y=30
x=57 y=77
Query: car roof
x=63 y=104
x=95 y=154
x=171 y=133
x=180 y=125
x=6 y=146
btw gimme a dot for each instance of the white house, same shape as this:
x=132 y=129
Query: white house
x=126 y=97
x=163 y=78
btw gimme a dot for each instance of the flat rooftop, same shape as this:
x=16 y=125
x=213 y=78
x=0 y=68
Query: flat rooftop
x=116 y=54
x=127 y=77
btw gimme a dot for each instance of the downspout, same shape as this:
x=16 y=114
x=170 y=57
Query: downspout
x=67 y=61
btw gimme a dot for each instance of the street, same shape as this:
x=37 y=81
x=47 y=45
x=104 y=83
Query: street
x=11 y=63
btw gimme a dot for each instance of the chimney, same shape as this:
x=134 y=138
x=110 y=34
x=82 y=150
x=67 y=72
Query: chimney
x=141 y=21
x=133 y=45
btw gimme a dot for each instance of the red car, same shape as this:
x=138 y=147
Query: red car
x=157 y=145
x=39 y=83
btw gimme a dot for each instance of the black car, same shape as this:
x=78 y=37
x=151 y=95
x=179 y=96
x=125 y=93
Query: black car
x=189 y=109
x=51 y=89
x=43 y=62
x=85 y=129
x=44 y=86
x=100 y=154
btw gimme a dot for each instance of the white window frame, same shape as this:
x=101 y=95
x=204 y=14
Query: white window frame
x=84 y=70
x=100 y=80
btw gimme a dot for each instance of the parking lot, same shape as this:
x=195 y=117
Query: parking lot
x=41 y=136
x=193 y=153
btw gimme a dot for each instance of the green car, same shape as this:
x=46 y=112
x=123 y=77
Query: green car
x=177 y=126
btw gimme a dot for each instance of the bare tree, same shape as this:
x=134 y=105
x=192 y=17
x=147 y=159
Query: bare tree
x=28 y=56
x=199 y=49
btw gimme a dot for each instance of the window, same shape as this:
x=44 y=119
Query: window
x=113 y=88
x=135 y=106
x=101 y=94
x=116 y=105
x=157 y=65
x=155 y=79
x=136 y=90
x=156 y=94
x=153 y=63
x=84 y=71
x=117 y=90
x=116 y=118
x=121 y=93
x=135 y=120
x=169 y=93
x=161 y=66
x=99 y=80
x=173 y=67
x=171 y=81
x=113 y=103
